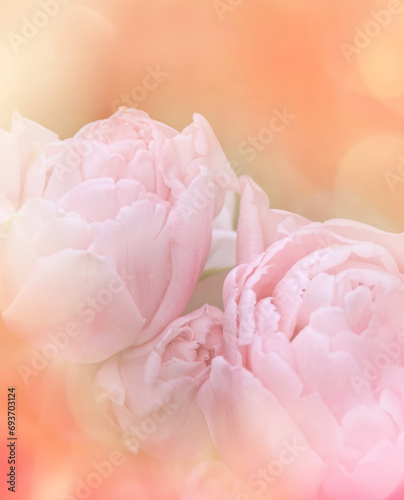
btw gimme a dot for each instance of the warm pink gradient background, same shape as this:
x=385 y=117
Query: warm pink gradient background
x=330 y=161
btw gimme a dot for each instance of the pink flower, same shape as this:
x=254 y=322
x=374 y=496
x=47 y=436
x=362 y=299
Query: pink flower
x=23 y=157
x=107 y=249
x=222 y=258
x=308 y=400
x=153 y=393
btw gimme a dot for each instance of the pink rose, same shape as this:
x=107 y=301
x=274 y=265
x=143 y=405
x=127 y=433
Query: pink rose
x=108 y=250
x=308 y=400
x=153 y=393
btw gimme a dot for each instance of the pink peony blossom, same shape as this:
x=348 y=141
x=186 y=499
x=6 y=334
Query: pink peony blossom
x=153 y=393
x=308 y=400
x=107 y=234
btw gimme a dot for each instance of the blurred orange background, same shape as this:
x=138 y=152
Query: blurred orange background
x=336 y=68
x=307 y=96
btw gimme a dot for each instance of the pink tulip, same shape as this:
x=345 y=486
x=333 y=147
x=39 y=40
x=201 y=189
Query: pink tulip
x=308 y=400
x=108 y=235
x=23 y=165
x=153 y=393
